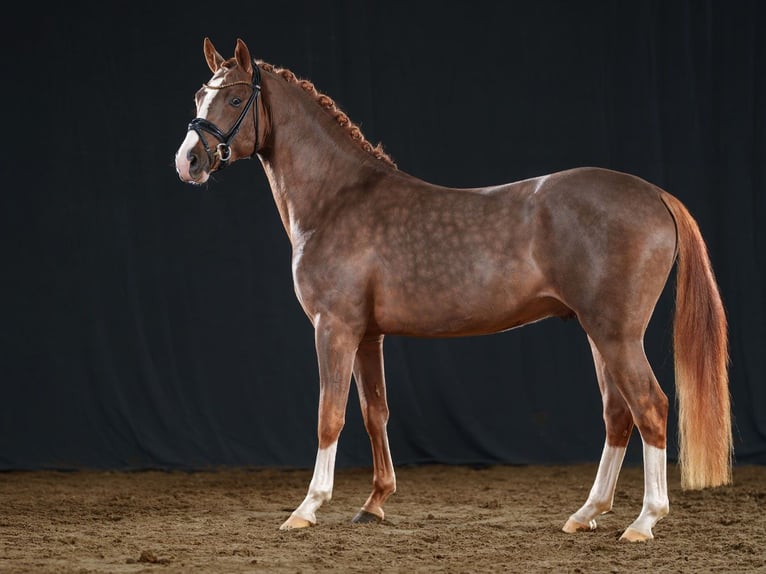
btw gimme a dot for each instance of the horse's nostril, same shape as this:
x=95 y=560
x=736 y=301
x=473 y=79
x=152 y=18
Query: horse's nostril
x=192 y=157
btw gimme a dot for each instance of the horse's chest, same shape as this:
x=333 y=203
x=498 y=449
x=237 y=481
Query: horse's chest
x=329 y=278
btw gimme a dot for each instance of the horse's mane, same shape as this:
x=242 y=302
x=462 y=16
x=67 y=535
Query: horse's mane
x=328 y=104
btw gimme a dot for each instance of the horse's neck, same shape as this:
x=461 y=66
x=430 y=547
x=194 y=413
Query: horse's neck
x=309 y=160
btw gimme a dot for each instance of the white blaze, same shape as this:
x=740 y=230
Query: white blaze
x=182 y=161
x=191 y=139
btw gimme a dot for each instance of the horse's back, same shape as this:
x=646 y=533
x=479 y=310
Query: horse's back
x=466 y=261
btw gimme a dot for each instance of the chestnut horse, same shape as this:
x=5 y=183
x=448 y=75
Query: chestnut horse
x=376 y=251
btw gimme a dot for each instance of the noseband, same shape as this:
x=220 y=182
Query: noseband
x=223 y=149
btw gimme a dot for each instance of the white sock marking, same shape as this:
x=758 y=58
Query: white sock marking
x=602 y=493
x=320 y=488
x=656 y=504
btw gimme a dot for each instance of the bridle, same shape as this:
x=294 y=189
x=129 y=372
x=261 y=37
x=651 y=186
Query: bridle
x=223 y=149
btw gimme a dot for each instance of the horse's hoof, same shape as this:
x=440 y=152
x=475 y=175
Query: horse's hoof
x=295 y=522
x=573 y=526
x=633 y=535
x=365 y=517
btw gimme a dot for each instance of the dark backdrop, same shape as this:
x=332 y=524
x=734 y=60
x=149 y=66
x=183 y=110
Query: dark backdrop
x=147 y=323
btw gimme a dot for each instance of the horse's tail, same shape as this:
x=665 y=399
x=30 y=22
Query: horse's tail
x=701 y=348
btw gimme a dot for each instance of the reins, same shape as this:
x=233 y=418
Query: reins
x=223 y=149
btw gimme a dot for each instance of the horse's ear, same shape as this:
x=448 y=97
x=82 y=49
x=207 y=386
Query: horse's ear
x=213 y=58
x=242 y=54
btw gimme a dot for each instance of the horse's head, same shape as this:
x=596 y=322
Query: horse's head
x=226 y=126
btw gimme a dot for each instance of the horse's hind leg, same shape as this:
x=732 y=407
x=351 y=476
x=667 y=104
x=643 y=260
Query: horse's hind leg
x=631 y=374
x=371 y=384
x=619 y=424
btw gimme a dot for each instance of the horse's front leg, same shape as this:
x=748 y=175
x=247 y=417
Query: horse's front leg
x=371 y=384
x=335 y=346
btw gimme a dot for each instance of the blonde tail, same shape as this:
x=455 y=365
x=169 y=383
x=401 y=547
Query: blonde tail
x=700 y=341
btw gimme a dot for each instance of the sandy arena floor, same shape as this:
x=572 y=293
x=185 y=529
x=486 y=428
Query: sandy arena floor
x=442 y=519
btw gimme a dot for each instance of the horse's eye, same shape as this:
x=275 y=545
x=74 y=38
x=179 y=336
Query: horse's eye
x=236 y=102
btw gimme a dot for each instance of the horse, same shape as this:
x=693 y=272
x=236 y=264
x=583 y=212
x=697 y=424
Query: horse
x=377 y=251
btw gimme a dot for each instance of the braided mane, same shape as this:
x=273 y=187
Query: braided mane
x=328 y=104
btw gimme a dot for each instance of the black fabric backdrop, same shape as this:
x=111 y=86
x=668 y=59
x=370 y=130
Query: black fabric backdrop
x=147 y=323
